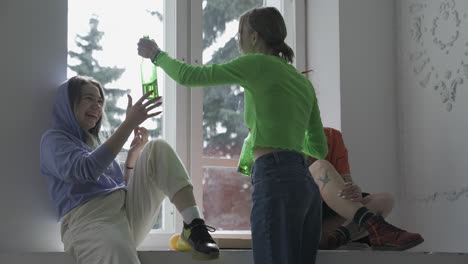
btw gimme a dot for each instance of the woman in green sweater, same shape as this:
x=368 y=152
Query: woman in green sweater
x=283 y=117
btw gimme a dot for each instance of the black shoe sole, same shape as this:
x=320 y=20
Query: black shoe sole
x=198 y=255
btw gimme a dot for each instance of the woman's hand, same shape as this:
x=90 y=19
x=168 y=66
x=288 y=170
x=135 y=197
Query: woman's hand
x=147 y=48
x=140 y=138
x=140 y=111
x=136 y=114
x=351 y=192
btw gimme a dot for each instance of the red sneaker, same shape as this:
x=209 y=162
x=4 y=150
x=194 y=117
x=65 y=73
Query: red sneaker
x=384 y=236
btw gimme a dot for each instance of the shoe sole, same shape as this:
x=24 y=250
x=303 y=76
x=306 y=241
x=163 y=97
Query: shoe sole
x=401 y=248
x=197 y=255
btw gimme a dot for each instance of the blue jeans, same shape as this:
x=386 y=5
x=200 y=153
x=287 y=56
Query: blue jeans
x=286 y=212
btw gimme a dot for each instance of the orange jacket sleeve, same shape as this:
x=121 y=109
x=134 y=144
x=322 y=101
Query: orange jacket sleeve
x=337 y=152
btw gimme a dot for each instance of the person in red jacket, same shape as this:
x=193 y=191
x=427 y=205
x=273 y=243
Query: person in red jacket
x=348 y=213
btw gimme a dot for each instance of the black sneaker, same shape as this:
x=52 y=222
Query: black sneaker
x=197 y=236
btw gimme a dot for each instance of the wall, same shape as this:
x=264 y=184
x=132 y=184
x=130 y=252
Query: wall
x=33 y=49
x=368 y=91
x=352 y=51
x=323 y=57
x=402 y=79
x=433 y=91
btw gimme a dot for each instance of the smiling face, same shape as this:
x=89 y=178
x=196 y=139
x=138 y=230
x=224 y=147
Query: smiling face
x=88 y=108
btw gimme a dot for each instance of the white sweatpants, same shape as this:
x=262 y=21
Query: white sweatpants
x=107 y=229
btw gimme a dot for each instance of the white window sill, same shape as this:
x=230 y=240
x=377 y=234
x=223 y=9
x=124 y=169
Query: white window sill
x=225 y=240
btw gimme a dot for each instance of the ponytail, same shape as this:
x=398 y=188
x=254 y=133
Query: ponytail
x=269 y=24
x=285 y=52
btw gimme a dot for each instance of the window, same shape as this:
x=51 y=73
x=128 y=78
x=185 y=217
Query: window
x=205 y=126
x=226 y=193
x=102 y=44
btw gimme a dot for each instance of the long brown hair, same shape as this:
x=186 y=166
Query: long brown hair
x=269 y=24
x=74 y=95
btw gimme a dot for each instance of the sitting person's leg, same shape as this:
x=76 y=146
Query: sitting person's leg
x=330 y=183
x=382 y=235
x=159 y=173
x=336 y=230
x=330 y=224
x=98 y=231
x=379 y=203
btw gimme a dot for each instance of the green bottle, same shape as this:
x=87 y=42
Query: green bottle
x=149 y=78
x=246 y=158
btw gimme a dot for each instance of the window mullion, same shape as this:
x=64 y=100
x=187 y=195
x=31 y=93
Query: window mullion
x=196 y=109
x=177 y=107
x=294 y=14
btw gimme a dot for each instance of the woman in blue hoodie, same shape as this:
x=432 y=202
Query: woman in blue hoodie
x=106 y=213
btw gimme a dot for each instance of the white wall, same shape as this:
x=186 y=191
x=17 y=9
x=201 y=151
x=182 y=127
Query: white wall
x=323 y=57
x=368 y=92
x=403 y=98
x=351 y=48
x=433 y=95
x=33 y=52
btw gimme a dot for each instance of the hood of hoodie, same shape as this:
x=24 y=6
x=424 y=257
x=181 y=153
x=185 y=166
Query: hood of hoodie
x=75 y=172
x=63 y=117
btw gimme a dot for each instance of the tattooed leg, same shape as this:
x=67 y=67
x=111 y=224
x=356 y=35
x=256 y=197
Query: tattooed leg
x=330 y=183
x=324 y=179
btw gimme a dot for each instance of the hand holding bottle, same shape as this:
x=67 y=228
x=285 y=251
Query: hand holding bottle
x=149 y=76
x=147 y=48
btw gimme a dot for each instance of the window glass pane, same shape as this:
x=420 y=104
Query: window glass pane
x=223 y=124
x=102 y=43
x=227 y=198
x=226 y=194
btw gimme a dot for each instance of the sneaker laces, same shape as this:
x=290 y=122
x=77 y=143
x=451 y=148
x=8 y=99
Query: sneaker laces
x=385 y=226
x=199 y=232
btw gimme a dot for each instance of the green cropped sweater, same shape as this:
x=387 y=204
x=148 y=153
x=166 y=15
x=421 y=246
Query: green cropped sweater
x=281 y=108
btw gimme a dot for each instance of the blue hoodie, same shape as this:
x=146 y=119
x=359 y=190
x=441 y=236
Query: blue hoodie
x=75 y=172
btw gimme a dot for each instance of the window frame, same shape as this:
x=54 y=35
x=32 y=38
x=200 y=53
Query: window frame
x=176 y=107
x=183 y=107
x=293 y=11
x=159 y=238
